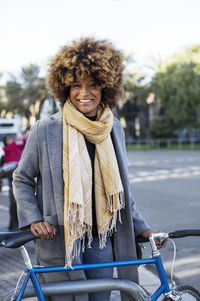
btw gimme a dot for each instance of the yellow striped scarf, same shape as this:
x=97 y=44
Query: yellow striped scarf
x=77 y=175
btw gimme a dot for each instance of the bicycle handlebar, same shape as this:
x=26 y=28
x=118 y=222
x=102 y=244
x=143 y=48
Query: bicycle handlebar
x=19 y=238
x=184 y=233
x=140 y=239
x=175 y=234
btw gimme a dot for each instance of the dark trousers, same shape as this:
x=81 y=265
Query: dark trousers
x=94 y=255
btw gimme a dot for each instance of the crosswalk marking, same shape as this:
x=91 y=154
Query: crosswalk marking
x=159 y=161
x=163 y=174
x=4 y=208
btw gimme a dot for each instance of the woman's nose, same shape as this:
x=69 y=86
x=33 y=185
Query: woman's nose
x=84 y=91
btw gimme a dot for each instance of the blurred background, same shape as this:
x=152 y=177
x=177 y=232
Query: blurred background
x=160 y=112
x=161 y=43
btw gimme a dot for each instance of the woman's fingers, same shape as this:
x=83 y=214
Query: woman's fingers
x=159 y=244
x=33 y=230
x=43 y=230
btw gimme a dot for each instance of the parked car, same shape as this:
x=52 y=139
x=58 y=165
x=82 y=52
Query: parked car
x=8 y=127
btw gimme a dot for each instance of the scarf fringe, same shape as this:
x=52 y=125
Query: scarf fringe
x=117 y=198
x=108 y=229
x=75 y=217
x=73 y=251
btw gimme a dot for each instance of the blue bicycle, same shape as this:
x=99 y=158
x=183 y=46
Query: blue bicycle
x=169 y=291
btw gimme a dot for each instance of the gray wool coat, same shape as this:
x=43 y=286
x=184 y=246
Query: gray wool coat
x=38 y=189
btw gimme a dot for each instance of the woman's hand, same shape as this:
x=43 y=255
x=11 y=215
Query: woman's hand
x=148 y=232
x=43 y=230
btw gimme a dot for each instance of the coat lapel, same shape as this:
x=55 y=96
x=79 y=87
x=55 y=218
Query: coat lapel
x=54 y=140
x=125 y=232
x=118 y=142
x=54 y=146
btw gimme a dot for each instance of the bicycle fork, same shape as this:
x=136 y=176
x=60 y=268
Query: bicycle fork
x=164 y=288
x=31 y=275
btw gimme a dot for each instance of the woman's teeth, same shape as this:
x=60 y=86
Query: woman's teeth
x=85 y=100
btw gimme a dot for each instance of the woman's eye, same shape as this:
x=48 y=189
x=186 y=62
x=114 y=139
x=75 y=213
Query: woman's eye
x=93 y=84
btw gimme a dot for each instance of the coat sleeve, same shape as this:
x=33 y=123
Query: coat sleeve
x=24 y=181
x=138 y=221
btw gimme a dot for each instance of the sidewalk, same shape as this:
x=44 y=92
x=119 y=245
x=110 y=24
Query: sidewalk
x=12 y=265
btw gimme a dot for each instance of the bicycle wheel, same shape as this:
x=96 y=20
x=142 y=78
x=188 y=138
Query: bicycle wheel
x=188 y=293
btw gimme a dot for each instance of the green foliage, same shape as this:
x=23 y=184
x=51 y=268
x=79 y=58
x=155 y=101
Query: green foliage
x=161 y=128
x=33 y=88
x=26 y=96
x=1 y=95
x=177 y=86
x=13 y=91
x=135 y=106
x=136 y=89
x=164 y=146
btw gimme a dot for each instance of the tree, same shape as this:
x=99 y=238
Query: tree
x=27 y=95
x=135 y=110
x=161 y=128
x=1 y=95
x=34 y=90
x=13 y=91
x=177 y=86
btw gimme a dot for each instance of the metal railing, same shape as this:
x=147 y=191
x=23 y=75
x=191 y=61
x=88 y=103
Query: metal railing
x=166 y=142
x=84 y=286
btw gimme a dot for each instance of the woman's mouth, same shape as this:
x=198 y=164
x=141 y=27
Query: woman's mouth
x=84 y=100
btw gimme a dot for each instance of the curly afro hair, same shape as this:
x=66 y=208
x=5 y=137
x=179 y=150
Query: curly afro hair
x=87 y=56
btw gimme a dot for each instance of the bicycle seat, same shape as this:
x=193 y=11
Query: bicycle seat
x=15 y=239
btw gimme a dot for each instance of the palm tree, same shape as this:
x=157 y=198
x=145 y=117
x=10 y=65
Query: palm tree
x=27 y=96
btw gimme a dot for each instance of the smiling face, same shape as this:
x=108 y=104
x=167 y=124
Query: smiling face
x=85 y=94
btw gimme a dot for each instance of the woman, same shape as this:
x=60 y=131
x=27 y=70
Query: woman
x=13 y=148
x=12 y=154
x=83 y=208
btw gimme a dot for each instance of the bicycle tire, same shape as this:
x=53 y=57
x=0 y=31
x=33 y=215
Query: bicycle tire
x=187 y=293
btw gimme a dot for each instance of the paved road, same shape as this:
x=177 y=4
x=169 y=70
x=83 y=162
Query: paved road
x=166 y=188
x=166 y=185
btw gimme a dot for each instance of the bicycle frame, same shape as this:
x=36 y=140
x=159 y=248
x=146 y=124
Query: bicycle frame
x=17 y=239
x=156 y=259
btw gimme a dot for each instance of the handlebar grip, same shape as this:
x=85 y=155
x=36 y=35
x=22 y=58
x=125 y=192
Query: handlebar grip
x=184 y=233
x=140 y=239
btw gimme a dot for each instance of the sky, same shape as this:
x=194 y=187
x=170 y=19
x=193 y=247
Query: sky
x=31 y=31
